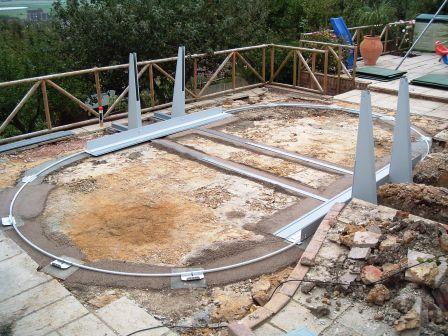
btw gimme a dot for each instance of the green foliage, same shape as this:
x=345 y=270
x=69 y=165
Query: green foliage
x=103 y=32
x=89 y=33
x=6 y=329
x=29 y=51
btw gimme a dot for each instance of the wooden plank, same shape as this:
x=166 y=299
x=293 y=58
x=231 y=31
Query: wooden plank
x=294 y=70
x=234 y=71
x=305 y=64
x=19 y=106
x=221 y=66
x=342 y=65
x=282 y=65
x=72 y=97
x=151 y=85
x=251 y=68
x=271 y=79
x=46 y=105
x=195 y=76
x=171 y=78
x=125 y=91
x=99 y=95
x=326 y=73
x=263 y=64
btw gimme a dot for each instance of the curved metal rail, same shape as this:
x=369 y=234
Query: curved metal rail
x=29 y=179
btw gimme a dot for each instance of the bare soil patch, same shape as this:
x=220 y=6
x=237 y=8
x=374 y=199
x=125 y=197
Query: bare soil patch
x=433 y=170
x=419 y=199
x=323 y=134
x=12 y=165
x=292 y=170
x=147 y=205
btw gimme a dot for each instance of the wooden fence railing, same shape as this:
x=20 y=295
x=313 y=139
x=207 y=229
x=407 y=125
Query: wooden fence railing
x=337 y=54
x=303 y=61
x=393 y=35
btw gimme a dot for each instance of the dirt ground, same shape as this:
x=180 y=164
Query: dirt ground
x=419 y=199
x=200 y=306
x=292 y=170
x=12 y=165
x=322 y=134
x=147 y=205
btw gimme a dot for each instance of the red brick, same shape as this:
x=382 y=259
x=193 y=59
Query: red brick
x=298 y=273
x=289 y=288
x=277 y=302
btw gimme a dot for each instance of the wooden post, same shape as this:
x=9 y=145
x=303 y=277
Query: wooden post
x=99 y=96
x=313 y=68
x=299 y=70
x=151 y=86
x=98 y=88
x=294 y=69
x=272 y=63
x=355 y=51
x=195 y=76
x=263 y=64
x=234 y=70
x=326 y=71
x=43 y=87
x=338 y=86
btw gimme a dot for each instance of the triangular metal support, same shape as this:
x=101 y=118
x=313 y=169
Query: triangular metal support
x=179 y=85
x=401 y=160
x=364 y=181
x=134 y=107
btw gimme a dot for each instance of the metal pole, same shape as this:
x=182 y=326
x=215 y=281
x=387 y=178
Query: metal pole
x=421 y=34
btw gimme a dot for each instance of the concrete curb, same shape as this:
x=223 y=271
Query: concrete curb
x=281 y=298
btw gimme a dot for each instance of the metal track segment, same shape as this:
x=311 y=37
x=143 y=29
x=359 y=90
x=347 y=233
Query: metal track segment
x=277 y=151
x=263 y=178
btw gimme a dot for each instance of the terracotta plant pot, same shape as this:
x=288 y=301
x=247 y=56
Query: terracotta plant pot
x=371 y=49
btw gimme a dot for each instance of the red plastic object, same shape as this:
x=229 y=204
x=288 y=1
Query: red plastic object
x=441 y=49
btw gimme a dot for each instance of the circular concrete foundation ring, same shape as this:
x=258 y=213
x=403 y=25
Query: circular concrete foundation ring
x=60 y=163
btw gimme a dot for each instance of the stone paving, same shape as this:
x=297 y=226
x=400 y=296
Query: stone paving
x=345 y=316
x=35 y=304
x=424 y=101
x=389 y=101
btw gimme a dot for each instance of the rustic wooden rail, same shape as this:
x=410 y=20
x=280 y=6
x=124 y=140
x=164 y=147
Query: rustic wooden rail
x=304 y=61
x=337 y=54
x=403 y=28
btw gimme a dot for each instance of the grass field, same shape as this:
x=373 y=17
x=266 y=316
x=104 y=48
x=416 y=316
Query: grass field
x=30 y=4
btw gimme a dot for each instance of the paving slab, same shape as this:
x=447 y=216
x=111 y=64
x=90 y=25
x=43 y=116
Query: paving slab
x=51 y=318
x=88 y=325
x=18 y=274
x=268 y=330
x=32 y=300
x=361 y=321
x=125 y=317
x=315 y=297
x=8 y=248
x=337 y=329
x=294 y=316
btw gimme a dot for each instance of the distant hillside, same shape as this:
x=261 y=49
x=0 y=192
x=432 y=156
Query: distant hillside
x=29 y=4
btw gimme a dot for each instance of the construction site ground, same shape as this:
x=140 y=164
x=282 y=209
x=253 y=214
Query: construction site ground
x=98 y=209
